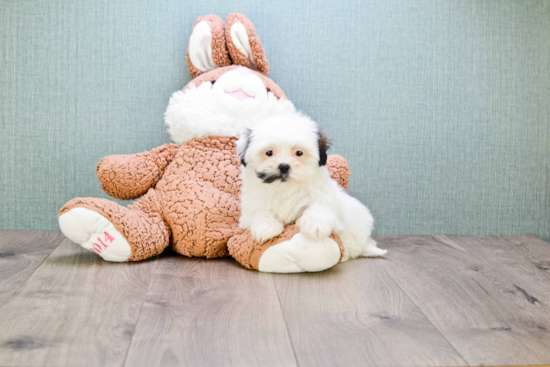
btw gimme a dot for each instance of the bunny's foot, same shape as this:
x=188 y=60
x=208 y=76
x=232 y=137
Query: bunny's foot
x=114 y=232
x=290 y=252
x=95 y=233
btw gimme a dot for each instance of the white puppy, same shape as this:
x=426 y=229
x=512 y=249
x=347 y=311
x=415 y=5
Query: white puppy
x=285 y=182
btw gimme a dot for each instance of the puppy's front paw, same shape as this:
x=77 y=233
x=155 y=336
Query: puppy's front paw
x=265 y=229
x=244 y=222
x=314 y=227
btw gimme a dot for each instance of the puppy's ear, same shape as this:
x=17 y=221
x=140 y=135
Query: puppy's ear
x=324 y=145
x=242 y=145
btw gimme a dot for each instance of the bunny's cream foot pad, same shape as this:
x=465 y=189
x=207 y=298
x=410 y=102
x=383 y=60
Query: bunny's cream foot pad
x=300 y=254
x=95 y=233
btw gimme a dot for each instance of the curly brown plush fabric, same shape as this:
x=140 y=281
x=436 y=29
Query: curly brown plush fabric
x=220 y=54
x=128 y=177
x=258 y=54
x=243 y=248
x=200 y=193
x=338 y=169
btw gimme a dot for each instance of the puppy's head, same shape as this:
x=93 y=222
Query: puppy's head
x=286 y=148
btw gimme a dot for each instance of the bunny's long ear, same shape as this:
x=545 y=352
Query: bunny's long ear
x=207 y=49
x=244 y=45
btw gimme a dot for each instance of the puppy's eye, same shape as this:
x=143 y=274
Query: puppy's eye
x=299 y=153
x=269 y=153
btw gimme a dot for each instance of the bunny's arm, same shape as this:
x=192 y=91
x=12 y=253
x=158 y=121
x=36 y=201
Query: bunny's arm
x=338 y=169
x=130 y=176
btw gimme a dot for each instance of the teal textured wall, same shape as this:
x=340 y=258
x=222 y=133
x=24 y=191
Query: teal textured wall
x=442 y=108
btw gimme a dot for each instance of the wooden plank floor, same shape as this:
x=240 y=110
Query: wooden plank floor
x=433 y=301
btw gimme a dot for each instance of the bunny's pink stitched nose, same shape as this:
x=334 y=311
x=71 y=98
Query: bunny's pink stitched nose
x=239 y=94
x=244 y=71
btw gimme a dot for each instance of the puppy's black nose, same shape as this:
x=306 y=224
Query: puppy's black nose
x=284 y=168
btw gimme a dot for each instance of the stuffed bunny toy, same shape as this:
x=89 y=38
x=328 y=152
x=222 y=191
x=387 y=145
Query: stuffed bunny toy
x=188 y=192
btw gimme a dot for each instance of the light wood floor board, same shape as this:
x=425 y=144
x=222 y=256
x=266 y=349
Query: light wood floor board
x=506 y=257
x=484 y=315
x=535 y=249
x=355 y=315
x=433 y=301
x=21 y=252
x=210 y=312
x=75 y=310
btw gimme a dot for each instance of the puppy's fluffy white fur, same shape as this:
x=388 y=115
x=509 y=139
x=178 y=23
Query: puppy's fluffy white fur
x=285 y=181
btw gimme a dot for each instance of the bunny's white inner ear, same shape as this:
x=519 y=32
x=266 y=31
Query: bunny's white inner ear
x=200 y=47
x=240 y=40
